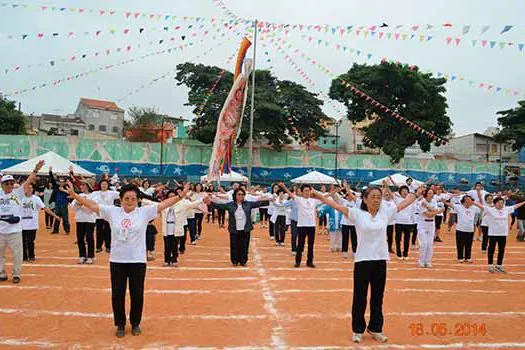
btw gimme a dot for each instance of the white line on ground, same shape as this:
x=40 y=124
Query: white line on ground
x=445 y=280
x=418 y=346
x=269 y=300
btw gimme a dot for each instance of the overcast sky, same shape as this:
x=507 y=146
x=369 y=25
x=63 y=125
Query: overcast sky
x=470 y=108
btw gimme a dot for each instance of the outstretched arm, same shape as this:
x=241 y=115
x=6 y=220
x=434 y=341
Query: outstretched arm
x=411 y=198
x=32 y=177
x=339 y=207
x=88 y=203
x=283 y=186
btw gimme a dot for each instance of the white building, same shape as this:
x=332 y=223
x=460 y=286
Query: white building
x=64 y=125
x=476 y=147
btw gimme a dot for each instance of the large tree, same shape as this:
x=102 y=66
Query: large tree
x=512 y=125
x=404 y=89
x=12 y=121
x=283 y=109
x=143 y=124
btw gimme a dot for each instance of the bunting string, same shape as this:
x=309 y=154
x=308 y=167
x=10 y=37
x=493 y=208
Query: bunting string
x=281 y=44
x=368 y=56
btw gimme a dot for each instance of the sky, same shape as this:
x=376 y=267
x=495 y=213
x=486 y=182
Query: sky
x=471 y=109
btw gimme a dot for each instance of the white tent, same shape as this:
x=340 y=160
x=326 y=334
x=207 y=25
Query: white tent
x=399 y=180
x=232 y=176
x=315 y=177
x=59 y=164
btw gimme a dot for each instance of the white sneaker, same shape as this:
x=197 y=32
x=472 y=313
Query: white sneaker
x=429 y=265
x=422 y=265
x=175 y=264
x=413 y=247
x=469 y=261
x=277 y=243
x=500 y=268
x=89 y=261
x=380 y=337
x=491 y=269
x=294 y=253
x=345 y=255
x=400 y=258
x=460 y=261
x=81 y=260
x=193 y=243
x=357 y=337
x=405 y=258
x=272 y=238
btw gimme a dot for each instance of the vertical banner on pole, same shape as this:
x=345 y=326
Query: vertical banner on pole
x=230 y=117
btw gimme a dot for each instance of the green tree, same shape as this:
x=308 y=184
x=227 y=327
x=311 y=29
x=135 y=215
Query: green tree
x=415 y=95
x=143 y=124
x=283 y=109
x=512 y=125
x=12 y=121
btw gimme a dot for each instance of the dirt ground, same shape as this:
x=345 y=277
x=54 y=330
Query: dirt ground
x=207 y=303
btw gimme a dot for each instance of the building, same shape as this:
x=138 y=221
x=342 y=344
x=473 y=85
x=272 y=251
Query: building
x=52 y=124
x=351 y=138
x=476 y=147
x=103 y=117
x=179 y=129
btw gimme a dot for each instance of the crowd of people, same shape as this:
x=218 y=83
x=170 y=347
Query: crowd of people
x=367 y=225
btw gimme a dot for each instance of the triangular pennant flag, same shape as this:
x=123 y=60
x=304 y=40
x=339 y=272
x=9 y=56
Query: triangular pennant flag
x=520 y=47
x=389 y=35
x=449 y=40
x=98 y=32
x=492 y=44
x=429 y=37
x=24 y=36
x=141 y=30
x=474 y=42
x=466 y=29
x=381 y=34
x=414 y=28
x=453 y=77
x=160 y=42
x=484 y=29
x=369 y=56
x=84 y=56
x=506 y=29
x=184 y=37
x=396 y=36
x=458 y=40
x=55 y=34
x=421 y=38
x=52 y=63
x=502 y=45
x=498 y=89
x=412 y=36
x=484 y=43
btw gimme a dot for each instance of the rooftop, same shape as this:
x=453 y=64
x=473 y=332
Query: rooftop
x=53 y=118
x=100 y=104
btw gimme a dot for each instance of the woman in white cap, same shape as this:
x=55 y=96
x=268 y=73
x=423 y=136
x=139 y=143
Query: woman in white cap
x=10 y=222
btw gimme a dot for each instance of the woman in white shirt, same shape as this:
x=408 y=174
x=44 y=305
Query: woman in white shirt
x=348 y=225
x=279 y=218
x=404 y=224
x=85 y=221
x=485 y=219
x=128 y=254
x=371 y=221
x=426 y=227
x=498 y=230
x=104 y=197
x=271 y=211
x=467 y=214
x=199 y=214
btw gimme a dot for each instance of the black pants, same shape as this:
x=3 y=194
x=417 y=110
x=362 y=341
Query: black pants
x=239 y=246
x=322 y=221
x=263 y=213
x=182 y=240
x=295 y=235
x=271 y=229
x=502 y=242
x=303 y=232
x=49 y=220
x=390 y=236
x=485 y=239
x=192 y=228
x=171 y=252
x=464 y=244
x=445 y=213
x=280 y=228
x=198 y=223
x=438 y=220
x=222 y=216
x=373 y=274
x=28 y=244
x=211 y=212
x=150 y=242
x=414 y=235
x=349 y=234
x=120 y=274
x=403 y=231
x=85 y=236
x=63 y=212
x=103 y=234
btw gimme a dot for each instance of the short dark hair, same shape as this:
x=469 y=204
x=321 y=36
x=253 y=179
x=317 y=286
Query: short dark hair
x=488 y=195
x=237 y=190
x=478 y=183
x=280 y=190
x=465 y=197
x=303 y=186
x=103 y=180
x=366 y=193
x=497 y=199
x=404 y=187
x=128 y=188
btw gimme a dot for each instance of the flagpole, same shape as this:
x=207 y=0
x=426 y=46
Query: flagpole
x=250 y=155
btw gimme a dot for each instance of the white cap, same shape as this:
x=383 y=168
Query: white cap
x=7 y=178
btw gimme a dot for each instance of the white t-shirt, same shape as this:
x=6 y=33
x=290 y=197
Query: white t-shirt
x=347 y=220
x=30 y=212
x=11 y=204
x=105 y=197
x=454 y=201
x=440 y=201
x=240 y=218
x=485 y=217
x=499 y=220
x=466 y=217
x=83 y=214
x=371 y=232
x=474 y=195
x=128 y=232
x=405 y=216
x=306 y=211
x=425 y=205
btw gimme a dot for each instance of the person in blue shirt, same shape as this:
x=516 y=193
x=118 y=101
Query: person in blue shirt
x=60 y=198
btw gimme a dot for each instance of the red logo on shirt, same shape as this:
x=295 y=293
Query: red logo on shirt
x=126 y=223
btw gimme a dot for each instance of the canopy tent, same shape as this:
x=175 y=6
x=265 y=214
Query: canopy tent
x=315 y=177
x=59 y=164
x=399 y=180
x=232 y=176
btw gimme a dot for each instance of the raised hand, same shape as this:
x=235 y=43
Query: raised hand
x=39 y=166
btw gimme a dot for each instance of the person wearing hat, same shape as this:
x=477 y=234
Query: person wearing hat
x=10 y=222
x=85 y=224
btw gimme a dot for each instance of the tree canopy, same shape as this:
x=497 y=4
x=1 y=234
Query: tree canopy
x=12 y=121
x=404 y=89
x=283 y=109
x=512 y=123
